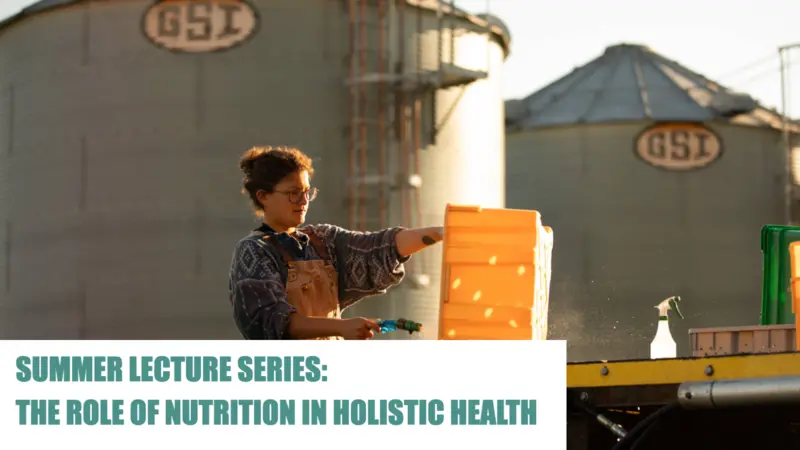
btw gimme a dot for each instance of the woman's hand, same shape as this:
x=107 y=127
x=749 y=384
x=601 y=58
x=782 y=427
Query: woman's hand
x=358 y=328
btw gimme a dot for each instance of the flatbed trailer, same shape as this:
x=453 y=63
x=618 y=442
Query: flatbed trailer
x=746 y=401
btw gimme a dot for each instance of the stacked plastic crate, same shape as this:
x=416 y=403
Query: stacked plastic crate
x=794 y=258
x=778 y=330
x=496 y=269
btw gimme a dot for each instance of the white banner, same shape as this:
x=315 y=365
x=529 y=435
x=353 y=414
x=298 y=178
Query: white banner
x=304 y=394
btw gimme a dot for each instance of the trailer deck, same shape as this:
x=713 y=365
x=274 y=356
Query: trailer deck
x=629 y=392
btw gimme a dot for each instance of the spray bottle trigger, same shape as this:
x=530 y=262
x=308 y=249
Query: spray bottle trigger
x=673 y=303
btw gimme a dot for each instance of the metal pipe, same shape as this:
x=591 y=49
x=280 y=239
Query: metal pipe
x=787 y=151
x=351 y=197
x=417 y=217
x=615 y=428
x=438 y=68
x=399 y=68
x=362 y=223
x=440 y=38
x=452 y=32
x=381 y=117
x=417 y=155
x=402 y=113
x=419 y=47
x=405 y=161
x=416 y=221
x=741 y=392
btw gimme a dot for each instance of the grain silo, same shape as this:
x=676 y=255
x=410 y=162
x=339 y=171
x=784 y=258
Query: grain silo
x=122 y=123
x=656 y=182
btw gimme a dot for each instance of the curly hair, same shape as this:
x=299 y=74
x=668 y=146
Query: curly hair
x=265 y=167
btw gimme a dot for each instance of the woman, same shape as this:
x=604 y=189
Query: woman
x=292 y=282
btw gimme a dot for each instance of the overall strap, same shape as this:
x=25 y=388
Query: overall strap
x=287 y=257
x=318 y=244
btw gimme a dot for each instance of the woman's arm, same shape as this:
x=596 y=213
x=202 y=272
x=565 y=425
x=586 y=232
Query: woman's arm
x=304 y=327
x=413 y=240
x=371 y=263
x=259 y=299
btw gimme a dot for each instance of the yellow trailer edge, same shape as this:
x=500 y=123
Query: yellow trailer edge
x=721 y=402
x=681 y=370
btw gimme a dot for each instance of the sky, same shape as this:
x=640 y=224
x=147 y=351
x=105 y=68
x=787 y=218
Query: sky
x=734 y=42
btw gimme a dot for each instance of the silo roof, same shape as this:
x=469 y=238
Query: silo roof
x=631 y=82
x=39 y=6
x=497 y=27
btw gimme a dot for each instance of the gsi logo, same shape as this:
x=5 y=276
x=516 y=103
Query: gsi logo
x=198 y=26
x=678 y=146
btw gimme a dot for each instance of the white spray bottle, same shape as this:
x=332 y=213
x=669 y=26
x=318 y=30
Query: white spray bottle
x=663 y=346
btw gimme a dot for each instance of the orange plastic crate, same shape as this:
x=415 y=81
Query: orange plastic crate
x=495 y=274
x=794 y=258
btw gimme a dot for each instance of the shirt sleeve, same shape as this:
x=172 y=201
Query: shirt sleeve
x=368 y=263
x=258 y=292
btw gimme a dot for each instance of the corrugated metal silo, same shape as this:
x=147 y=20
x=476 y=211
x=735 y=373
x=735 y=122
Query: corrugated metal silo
x=120 y=187
x=656 y=182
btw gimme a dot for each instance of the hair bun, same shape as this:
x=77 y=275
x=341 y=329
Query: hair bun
x=247 y=165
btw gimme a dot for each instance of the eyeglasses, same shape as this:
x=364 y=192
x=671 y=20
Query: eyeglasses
x=296 y=195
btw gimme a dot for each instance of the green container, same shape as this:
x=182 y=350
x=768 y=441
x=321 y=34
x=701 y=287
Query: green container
x=776 y=297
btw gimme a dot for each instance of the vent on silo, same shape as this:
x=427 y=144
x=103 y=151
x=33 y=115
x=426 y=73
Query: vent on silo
x=731 y=104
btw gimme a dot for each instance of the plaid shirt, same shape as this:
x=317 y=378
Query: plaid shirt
x=367 y=263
